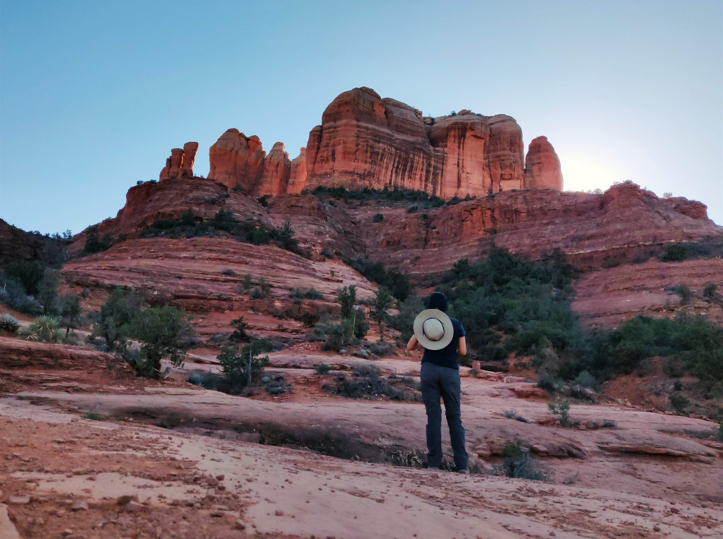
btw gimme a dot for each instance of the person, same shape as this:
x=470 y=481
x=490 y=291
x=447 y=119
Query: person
x=442 y=338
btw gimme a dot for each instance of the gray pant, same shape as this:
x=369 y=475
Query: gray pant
x=442 y=382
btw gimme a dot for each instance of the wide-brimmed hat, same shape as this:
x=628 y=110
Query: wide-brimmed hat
x=433 y=329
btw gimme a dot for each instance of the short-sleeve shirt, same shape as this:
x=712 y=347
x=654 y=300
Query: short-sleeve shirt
x=447 y=356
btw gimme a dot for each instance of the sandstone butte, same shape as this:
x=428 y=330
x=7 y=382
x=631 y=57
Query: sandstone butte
x=368 y=141
x=180 y=164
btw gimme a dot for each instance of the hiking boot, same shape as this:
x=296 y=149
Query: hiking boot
x=463 y=470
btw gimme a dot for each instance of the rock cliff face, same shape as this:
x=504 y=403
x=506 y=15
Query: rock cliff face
x=542 y=166
x=367 y=141
x=297 y=178
x=276 y=171
x=180 y=164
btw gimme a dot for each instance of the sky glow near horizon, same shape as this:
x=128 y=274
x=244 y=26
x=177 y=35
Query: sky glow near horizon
x=93 y=96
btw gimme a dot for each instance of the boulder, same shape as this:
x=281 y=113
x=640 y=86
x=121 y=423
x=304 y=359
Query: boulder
x=542 y=166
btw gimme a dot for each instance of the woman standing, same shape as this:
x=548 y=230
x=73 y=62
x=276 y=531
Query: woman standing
x=442 y=338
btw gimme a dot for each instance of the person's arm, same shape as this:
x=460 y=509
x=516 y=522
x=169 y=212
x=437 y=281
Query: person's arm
x=463 y=346
x=412 y=343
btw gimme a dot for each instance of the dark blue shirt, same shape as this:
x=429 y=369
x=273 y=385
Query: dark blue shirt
x=447 y=356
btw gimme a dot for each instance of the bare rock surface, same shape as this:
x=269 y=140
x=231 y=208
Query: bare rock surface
x=20 y=354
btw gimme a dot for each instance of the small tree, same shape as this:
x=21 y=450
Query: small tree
x=160 y=330
x=241 y=369
x=239 y=334
x=382 y=302
x=48 y=292
x=115 y=316
x=70 y=312
x=347 y=298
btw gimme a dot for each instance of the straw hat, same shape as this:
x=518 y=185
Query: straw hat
x=433 y=329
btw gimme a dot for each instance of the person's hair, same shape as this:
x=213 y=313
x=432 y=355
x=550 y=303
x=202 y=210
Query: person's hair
x=437 y=301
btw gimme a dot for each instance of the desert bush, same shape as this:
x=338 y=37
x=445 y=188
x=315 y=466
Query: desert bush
x=378 y=218
x=585 y=379
x=548 y=382
x=710 y=292
x=27 y=274
x=674 y=252
x=684 y=292
x=322 y=368
x=392 y=195
x=309 y=319
x=306 y=293
x=241 y=369
x=249 y=231
x=562 y=409
x=510 y=414
x=394 y=280
x=678 y=402
x=382 y=302
x=70 y=312
x=160 y=331
x=115 y=316
x=228 y=273
x=641 y=258
x=404 y=321
x=94 y=243
x=381 y=349
x=13 y=295
x=9 y=323
x=366 y=380
x=204 y=379
x=276 y=385
x=43 y=329
x=518 y=464
x=412 y=209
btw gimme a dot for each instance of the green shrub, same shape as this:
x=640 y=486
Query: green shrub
x=366 y=380
x=549 y=382
x=309 y=319
x=27 y=274
x=115 y=316
x=381 y=349
x=241 y=369
x=562 y=409
x=518 y=464
x=412 y=209
x=43 y=329
x=228 y=273
x=674 y=252
x=322 y=368
x=396 y=282
x=239 y=334
x=678 y=402
x=160 y=331
x=306 y=293
x=585 y=379
x=710 y=292
x=70 y=312
x=684 y=292
x=378 y=218
x=382 y=302
x=9 y=323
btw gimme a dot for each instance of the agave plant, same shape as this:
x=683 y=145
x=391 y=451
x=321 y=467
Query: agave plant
x=43 y=329
x=9 y=323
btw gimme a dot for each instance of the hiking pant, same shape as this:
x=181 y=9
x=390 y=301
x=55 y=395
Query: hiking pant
x=443 y=382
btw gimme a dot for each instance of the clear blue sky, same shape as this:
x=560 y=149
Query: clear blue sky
x=93 y=95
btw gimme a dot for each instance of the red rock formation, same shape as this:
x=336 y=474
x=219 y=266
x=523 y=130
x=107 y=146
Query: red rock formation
x=189 y=158
x=506 y=152
x=180 y=164
x=237 y=160
x=276 y=172
x=367 y=141
x=16 y=244
x=542 y=166
x=297 y=177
